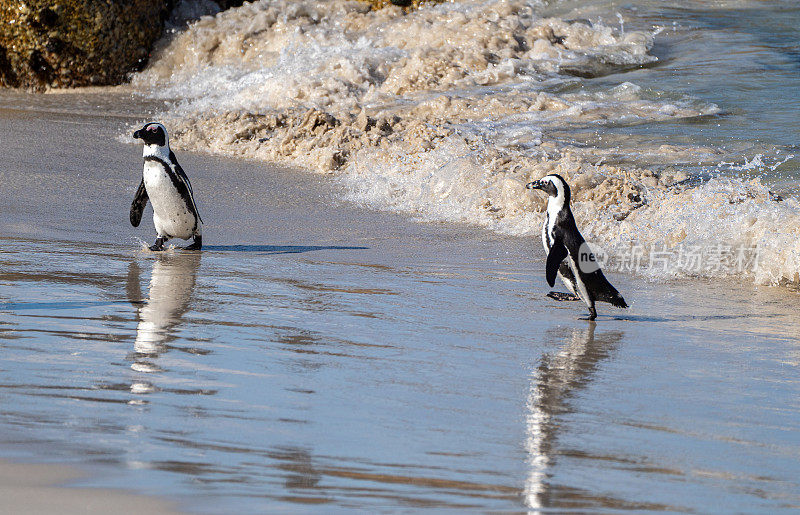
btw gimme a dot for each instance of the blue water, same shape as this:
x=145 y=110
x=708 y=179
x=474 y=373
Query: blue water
x=743 y=56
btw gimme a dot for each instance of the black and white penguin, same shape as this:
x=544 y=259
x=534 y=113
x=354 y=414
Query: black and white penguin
x=166 y=185
x=561 y=239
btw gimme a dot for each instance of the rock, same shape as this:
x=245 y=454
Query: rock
x=67 y=43
x=227 y=4
x=188 y=11
x=70 y=43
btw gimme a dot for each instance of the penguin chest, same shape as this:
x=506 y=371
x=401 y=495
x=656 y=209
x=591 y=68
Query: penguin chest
x=171 y=214
x=546 y=236
x=548 y=228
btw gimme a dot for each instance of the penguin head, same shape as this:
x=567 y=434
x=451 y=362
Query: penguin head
x=152 y=134
x=554 y=185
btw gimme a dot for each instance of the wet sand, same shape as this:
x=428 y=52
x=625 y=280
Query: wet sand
x=33 y=489
x=317 y=356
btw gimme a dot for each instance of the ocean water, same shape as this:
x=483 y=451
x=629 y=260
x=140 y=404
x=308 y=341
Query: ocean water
x=675 y=123
x=317 y=356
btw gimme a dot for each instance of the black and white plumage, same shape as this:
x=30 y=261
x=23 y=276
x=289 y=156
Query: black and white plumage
x=167 y=187
x=561 y=239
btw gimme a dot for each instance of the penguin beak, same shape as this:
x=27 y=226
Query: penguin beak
x=137 y=134
x=535 y=185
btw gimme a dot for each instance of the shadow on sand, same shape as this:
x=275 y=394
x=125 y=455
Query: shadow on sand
x=277 y=249
x=684 y=318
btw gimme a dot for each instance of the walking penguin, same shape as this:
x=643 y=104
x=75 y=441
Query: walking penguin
x=166 y=185
x=561 y=239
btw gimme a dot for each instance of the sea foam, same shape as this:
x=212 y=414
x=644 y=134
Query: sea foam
x=447 y=111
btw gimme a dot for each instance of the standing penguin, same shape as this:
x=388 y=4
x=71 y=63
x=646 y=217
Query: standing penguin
x=561 y=239
x=167 y=186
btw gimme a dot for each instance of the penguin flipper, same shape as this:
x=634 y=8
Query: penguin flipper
x=138 y=204
x=554 y=258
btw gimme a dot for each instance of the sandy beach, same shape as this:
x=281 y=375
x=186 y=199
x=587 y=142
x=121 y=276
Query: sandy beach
x=319 y=356
x=39 y=489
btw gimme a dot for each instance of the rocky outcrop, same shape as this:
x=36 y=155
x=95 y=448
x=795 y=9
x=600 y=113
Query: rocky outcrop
x=67 y=43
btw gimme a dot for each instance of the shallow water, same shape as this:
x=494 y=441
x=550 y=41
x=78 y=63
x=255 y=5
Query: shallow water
x=317 y=356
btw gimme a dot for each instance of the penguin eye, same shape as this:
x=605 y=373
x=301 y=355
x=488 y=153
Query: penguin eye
x=152 y=128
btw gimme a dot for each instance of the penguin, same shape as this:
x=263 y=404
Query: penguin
x=167 y=187
x=561 y=239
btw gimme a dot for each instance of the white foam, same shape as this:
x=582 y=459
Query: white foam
x=444 y=113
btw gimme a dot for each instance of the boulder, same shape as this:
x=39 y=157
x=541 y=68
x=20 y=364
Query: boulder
x=68 y=43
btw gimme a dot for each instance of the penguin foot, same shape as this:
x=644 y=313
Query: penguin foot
x=560 y=296
x=158 y=245
x=592 y=314
x=197 y=244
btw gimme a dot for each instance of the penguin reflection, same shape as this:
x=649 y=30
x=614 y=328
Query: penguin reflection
x=552 y=384
x=169 y=294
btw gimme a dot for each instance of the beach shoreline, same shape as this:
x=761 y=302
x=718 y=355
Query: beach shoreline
x=320 y=353
x=448 y=111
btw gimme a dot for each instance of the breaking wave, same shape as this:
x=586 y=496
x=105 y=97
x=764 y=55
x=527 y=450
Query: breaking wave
x=447 y=111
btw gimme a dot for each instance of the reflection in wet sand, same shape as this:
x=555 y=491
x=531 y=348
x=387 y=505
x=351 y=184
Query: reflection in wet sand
x=169 y=294
x=552 y=383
